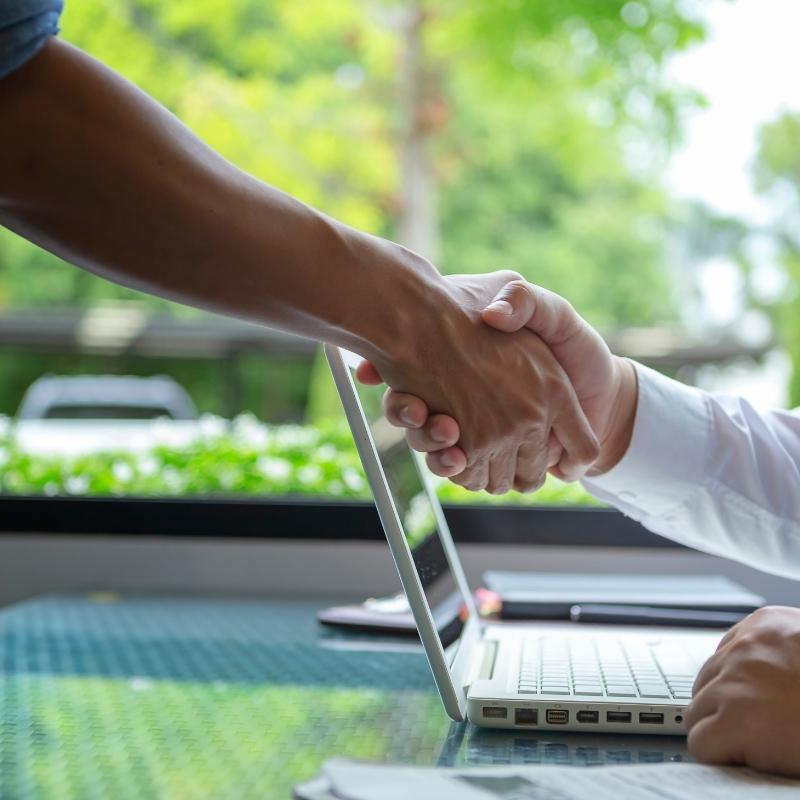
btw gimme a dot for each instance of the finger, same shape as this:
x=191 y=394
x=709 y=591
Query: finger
x=581 y=447
x=447 y=463
x=511 y=308
x=473 y=477
x=708 y=672
x=404 y=410
x=712 y=742
x=367 y=373
x=531 y=467
x=554 y=450
x=439 y=433
x=704 y=703
x=501 y=474
x=547 y=314
x=715 y=663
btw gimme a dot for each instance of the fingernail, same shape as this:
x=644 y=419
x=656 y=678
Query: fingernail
x=446 y=460
x=438 y=436
x=405 y=416
x=501 y=307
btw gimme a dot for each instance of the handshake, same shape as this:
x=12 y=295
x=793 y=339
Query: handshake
x=513 y=384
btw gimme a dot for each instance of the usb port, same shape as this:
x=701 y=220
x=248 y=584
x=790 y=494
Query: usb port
x=495 y=712
x=618 y=716
x=526 y=716
x=557 y=716
x=650 y=717
x=588 y=716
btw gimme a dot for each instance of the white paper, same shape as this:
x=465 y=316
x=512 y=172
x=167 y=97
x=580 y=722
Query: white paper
x=351 y=780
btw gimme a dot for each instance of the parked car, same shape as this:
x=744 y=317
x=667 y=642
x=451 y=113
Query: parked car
x=69 y=415
x=106 y=397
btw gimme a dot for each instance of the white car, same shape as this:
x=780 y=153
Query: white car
x=70 y=415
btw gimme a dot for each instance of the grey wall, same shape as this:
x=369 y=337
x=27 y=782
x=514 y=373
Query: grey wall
x=39 y=564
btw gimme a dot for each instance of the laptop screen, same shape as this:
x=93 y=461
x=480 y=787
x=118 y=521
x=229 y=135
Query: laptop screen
x=418 y=519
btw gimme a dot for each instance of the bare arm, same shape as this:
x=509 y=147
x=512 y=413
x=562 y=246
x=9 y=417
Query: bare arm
x=94 y=170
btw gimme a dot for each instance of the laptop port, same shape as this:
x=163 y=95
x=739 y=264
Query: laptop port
x=526 y=716
x=588 y=716
x=495 y=712
x=618 y=716
x=651 y=718
x=557 y=716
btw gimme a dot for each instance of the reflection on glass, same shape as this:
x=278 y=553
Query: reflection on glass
x=484 y=747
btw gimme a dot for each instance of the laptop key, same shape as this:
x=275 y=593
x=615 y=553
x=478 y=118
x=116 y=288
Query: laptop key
x=653 y=691
x=620 y=691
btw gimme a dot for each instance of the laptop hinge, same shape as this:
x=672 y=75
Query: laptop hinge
x=482 y=665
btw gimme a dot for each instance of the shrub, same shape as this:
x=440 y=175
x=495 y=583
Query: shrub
x=243 y=458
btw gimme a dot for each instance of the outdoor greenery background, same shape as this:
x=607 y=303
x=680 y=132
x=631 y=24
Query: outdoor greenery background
x=539 y=127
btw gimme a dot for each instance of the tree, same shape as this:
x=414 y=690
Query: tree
x=778 y=175
x=487 y=133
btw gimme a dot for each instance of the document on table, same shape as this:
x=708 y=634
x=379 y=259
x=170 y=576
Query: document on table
x=342 y=779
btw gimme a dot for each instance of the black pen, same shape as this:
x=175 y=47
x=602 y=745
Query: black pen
x=648 y=615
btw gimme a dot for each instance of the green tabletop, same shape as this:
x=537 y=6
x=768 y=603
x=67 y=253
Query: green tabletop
x=150 y=697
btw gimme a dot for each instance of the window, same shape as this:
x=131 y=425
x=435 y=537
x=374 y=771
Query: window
x=566 y=142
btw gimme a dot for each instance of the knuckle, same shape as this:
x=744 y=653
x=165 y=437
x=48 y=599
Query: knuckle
x=564 y=306
x=746 y=641
x=510 y=276
x=531 y=486
x=590 y=450
x=529 y=483
x=538 y=483
x=469 y=480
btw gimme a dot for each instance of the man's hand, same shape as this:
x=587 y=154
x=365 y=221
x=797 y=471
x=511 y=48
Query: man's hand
x=746 y=705
x=604 y=384
x=507 y=391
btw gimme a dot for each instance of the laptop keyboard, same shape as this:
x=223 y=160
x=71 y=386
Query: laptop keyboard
x=606 y=668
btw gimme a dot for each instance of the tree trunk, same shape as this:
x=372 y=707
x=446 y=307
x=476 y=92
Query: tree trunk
x=418 y=225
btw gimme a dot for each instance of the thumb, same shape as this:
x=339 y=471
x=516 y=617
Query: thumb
x=521 y=304
x=511 y=308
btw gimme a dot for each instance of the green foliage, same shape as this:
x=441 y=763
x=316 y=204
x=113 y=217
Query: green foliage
x=535 y=102
x=245 y=458
x=778 y=173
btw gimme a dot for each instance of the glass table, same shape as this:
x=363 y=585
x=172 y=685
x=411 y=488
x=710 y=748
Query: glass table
x=150 y=697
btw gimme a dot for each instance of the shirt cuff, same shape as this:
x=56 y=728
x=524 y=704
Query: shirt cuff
x=666 y=459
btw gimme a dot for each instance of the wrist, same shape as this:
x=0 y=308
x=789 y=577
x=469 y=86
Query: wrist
x=399 y=296
x=623 y=402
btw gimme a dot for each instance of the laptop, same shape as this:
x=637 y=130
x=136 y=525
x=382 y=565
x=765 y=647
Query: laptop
x=556 y=676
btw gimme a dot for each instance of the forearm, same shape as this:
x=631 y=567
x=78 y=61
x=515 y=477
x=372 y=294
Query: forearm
x=97 y=172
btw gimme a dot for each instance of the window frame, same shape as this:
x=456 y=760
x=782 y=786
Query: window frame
x=302 y=518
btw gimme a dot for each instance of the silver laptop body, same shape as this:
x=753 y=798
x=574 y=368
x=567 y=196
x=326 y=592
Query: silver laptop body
x=614 y=679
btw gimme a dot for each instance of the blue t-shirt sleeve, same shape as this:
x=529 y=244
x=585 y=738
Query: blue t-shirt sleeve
x=25 y=25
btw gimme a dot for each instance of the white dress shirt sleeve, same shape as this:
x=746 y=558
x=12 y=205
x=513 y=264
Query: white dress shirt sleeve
x=711 y=472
